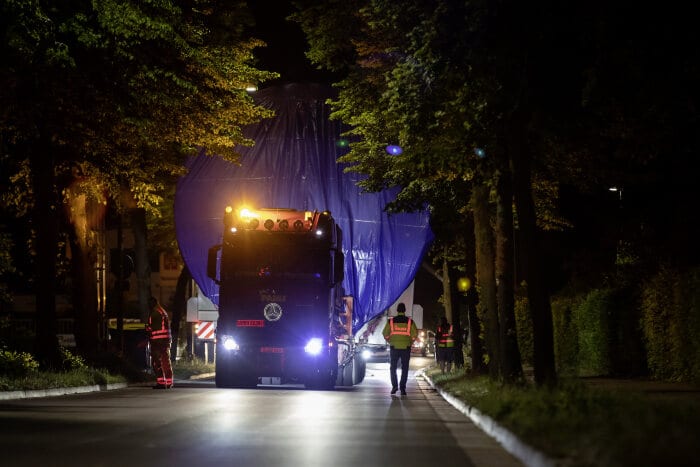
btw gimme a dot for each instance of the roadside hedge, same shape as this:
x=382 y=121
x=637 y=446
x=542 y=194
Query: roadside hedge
x=650 y=327
x=670 y=322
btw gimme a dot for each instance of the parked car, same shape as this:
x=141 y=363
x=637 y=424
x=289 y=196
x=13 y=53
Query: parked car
x=425 y=343
x=375 y=353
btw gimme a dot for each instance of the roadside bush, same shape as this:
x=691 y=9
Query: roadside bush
x=671 y=324
x=72 y=361
x=15 y=364
x=593 y=322
x=565 y=334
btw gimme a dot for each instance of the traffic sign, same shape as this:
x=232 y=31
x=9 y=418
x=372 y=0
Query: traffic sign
x=206 y=329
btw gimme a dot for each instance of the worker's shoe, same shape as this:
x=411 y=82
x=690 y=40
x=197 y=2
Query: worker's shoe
x=393 y=390
x=403 y=392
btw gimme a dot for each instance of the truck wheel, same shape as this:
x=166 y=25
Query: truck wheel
x=359 y=369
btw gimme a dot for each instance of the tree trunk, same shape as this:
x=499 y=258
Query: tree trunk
x=83 y=257
x=446 y=289
x=45 y=221
x=485 y=276
x=119 y=285
x=476 y=350
x=142 y=265
x=511 y=366
x=528 y=254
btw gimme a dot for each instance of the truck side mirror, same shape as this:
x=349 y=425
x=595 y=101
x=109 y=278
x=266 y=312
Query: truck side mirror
x=212 y=261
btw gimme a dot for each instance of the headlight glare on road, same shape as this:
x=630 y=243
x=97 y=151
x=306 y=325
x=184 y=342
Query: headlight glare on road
x=314 y=346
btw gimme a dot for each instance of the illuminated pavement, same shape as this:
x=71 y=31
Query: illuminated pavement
x=197 y=424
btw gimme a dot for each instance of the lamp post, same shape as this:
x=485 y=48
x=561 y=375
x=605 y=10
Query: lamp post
x=620 y=222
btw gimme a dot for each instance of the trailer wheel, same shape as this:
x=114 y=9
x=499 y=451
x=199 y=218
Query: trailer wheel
x=345 y=375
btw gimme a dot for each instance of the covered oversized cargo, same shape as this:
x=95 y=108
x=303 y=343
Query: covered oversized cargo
x=294 y=165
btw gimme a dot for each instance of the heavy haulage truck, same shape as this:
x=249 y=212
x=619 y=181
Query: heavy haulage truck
x=283 y=317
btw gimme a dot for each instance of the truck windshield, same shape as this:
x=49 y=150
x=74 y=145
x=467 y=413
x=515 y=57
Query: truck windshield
x=284 y=257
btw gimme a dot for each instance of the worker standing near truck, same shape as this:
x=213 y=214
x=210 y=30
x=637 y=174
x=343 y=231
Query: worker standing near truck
x=160 y=339
x=445 y=354
x=399 y=331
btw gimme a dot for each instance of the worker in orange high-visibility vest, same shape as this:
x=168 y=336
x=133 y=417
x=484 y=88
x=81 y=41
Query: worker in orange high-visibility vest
x=445 y=351
x=399 y=331
x=160 y=339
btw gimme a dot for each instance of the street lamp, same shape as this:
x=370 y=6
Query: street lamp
x=464 y=284
x=618 y=190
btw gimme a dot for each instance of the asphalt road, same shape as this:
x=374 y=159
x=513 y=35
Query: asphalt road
x=196 y=424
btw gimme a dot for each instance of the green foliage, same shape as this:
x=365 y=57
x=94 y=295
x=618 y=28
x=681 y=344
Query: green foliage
x=582 y=426
x=671 y=324
x=15 y=364
x=130 y=87
x=63 y=379
x=71 y=361
x=652 y=325
x=6 y=265
x=186 y=367
x=566 y=347
x=596 y=332
x=593 y=322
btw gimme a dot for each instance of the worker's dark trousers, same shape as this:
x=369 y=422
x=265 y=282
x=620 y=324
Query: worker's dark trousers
x=160 y=360
x=394 y=356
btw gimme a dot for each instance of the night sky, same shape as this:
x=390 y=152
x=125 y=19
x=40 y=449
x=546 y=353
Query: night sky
x=285 y=44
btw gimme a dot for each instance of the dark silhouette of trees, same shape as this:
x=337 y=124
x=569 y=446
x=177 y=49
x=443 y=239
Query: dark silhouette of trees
x=108 y=98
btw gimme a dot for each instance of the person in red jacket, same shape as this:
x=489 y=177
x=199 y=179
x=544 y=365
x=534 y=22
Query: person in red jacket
x=445 y=351
x=160 y=339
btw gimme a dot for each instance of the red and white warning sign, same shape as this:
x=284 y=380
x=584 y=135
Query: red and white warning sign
x=206 y=329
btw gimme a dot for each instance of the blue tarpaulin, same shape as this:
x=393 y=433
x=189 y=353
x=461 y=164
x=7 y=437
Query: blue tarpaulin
x=293 y=165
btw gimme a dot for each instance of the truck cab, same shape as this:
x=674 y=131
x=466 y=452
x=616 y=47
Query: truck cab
x=281 y=304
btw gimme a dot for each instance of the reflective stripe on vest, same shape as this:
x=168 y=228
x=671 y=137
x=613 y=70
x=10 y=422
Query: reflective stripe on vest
x=446 y=340
x=160 y=334
x=399 y=332
x=164 y=332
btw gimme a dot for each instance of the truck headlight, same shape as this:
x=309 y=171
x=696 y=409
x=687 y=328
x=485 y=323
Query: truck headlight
x=314 y=346
x=229 y=343
x=366 y=354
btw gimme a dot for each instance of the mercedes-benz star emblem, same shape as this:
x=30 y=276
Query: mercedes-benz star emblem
x=272 y=311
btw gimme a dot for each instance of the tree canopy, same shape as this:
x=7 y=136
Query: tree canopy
x=105 y=98
x=537 y=99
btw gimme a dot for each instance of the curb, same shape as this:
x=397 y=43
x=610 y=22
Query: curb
x=511 y=443
x=202 y=376
x=30 y=394
x=36 y=393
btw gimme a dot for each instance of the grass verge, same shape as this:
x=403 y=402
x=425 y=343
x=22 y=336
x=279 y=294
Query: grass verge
x=63 y=379
x=580 y=426
x=35 y=380
x=188 y=367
